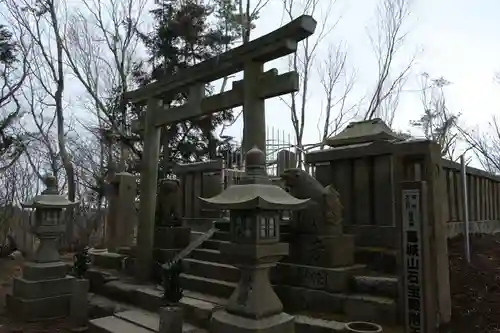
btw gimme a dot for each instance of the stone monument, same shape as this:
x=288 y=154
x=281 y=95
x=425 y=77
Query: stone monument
x=316 y=237
x=286 y=160
x=122 y=212
x=44 y=290
x=255 y=206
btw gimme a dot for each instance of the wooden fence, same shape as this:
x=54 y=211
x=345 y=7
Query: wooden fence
x=483 y=194
x=201 y=179
x=366 y=176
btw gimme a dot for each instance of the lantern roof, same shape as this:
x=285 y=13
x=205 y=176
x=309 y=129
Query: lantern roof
x=255 y=190
x=50 y=197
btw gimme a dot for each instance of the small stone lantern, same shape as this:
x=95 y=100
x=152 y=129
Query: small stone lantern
x=49 y=221
x=44 y=290
x=255 y=205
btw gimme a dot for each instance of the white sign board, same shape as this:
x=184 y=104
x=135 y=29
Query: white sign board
x=413 y=262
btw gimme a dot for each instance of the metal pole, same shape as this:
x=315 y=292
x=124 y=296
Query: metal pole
x=466 y=208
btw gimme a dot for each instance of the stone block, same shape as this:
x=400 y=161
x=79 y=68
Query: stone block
x=371 y=308
x=145 y=319
x=35 y=271
x=336 y=279
x=211 y=270
x=224 y=322
x=385 y=286
x=172 y=237
x=377 y=259
x=79 y=305
x=40 y=308
x=29 y=290
x=305 y=324
x=113 y=324
x=171 y=319
x=108 y=260
x=324 y=251
x=296 y=299
x=199 y=284
x=208 y=255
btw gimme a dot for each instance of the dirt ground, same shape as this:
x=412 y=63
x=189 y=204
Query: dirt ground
x=475 y=290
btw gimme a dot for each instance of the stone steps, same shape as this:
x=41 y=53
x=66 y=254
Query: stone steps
x=386 y=286
x=133 y=321
x=373 y=307
x=204 y=275
x=207 y=255
x=212 y=244
x=377 y=259
x=202 y=284
x=211 y=270
x=198 y=309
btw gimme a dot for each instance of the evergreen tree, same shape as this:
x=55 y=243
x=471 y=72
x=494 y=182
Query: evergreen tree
x=187 y=33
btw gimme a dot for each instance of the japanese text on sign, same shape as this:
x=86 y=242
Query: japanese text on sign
x=412 y=259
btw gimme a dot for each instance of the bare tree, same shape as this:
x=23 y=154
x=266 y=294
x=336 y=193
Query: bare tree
x=486 y=145
x=100 y=47
x=390 y=36
x=41 y=21
x=304 y=60
x=333 y=73
x=41 y=151
x=437 y=122
x=243 y=14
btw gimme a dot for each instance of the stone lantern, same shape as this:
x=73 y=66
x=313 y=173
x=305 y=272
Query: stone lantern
x=44 y=290
x=255 y=205
x=49 y=220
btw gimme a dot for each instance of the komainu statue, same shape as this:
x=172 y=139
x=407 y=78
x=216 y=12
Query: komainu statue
x=324 y=215
x=317 y=237
x=167 y=203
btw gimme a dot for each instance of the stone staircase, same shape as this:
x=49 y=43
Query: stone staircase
x=356 y=293
x=369 y=296
x=120 y=306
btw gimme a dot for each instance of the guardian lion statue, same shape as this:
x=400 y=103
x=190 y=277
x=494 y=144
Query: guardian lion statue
x=324 y=215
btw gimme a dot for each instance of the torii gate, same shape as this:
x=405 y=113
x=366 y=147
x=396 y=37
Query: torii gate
x=251 y=93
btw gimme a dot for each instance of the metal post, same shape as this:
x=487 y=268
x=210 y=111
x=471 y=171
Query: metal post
x=466 y=208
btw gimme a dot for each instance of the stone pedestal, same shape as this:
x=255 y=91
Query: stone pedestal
x=171 y=237
x=44 y=291
x=127 y=213
x=79 y=302
x=253 y=306
x=122 y=215
x=171 y=319
x=168 y=241
x=225 y=322
x=324 y=251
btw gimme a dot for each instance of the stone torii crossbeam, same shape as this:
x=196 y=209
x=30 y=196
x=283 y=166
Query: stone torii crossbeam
x=251 y=93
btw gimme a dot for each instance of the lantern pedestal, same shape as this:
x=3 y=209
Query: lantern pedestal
x=44 y=290
x=253 y=306
x=255 y=206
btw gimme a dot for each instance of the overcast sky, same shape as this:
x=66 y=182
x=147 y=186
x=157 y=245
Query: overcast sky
x=456 y=39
